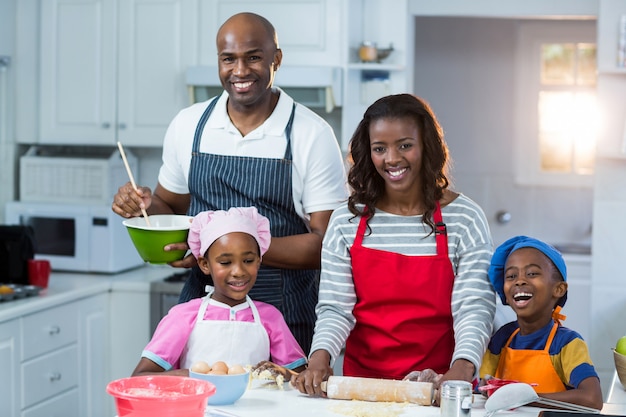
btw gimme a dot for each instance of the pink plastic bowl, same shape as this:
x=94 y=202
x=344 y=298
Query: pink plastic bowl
x=160 y=395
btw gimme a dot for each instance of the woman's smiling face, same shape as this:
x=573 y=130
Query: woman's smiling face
x=396 y=152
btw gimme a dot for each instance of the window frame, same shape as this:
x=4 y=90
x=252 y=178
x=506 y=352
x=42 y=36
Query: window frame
x=531 y=35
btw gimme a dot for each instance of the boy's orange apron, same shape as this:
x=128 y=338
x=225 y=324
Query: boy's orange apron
x=530 y=366
x=403 y=310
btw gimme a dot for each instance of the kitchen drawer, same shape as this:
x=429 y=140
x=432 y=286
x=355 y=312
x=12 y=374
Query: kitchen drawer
x=49 y=330
x=63 y=405
x=49 y=375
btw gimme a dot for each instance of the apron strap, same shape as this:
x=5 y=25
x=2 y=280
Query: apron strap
x=288 y=133
x=207 y=299
x=205 y=303
x=546 y=348
x=358 y=240
x=441 y=232
x=255 y=311
x=200 y=127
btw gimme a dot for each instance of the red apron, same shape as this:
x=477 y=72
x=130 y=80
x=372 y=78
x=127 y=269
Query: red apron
x=403 y=310
x=530 y=366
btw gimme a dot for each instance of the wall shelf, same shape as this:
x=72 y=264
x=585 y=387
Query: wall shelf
x=375 y=66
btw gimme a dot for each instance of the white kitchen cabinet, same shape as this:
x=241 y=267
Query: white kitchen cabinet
x=94 y=373
x=609 y=14
x=309 y=31
x=130 y=329
x=611 y=80
x=112 y=69
x=10 y=380
x=373 y=21
x=54 y=360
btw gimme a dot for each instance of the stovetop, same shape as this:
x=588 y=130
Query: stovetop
x=10 y=291
x=172 y=284
x=178 y=277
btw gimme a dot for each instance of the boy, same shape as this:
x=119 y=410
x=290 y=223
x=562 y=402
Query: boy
x=530 y=276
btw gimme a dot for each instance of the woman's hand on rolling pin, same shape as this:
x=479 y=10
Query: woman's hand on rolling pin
x=427 y=375
x=310 y=380
x=127 y=202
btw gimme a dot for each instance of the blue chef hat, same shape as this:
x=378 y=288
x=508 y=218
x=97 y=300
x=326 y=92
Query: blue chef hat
x=496 y=270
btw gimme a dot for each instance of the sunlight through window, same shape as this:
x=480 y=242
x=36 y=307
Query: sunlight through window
x=567 y=108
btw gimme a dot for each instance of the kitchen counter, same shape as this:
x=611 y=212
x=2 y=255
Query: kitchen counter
x=617 y=393
x=65 y=287
x=266 y=401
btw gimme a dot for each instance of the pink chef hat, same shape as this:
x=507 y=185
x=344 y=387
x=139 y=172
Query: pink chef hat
x=208 y=226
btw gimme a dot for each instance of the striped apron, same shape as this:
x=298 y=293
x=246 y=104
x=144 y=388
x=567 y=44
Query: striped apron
x=219 y=182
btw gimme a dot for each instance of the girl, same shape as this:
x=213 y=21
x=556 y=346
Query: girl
x=225 y=325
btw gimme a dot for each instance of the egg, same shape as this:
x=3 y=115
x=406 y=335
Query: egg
x=201 y=367
x=214 y=372
x=220 y=366
x=236 y=369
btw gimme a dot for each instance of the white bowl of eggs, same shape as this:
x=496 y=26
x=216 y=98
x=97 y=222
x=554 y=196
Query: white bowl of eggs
x=230 y=382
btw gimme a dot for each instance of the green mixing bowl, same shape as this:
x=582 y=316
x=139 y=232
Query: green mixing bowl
x=163 y=230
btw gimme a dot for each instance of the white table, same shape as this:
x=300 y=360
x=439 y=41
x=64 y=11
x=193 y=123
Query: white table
x=617 y=393
x=270 y=401
x=266 y=402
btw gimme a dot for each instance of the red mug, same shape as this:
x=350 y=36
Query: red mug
x=38 y=272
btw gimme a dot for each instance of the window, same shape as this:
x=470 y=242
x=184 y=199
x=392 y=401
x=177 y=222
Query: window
x=558 y=115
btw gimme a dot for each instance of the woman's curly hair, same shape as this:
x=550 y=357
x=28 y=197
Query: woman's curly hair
x=367 y=185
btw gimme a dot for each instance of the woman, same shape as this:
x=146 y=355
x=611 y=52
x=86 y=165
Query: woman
x=404 y=280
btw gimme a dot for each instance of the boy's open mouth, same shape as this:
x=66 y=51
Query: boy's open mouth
x=522 y=298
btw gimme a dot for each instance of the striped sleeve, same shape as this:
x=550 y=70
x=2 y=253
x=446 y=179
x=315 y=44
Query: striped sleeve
x=473 y=298
x=336 y=293
x=470 y=248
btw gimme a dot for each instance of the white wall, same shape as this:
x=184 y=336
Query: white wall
x=465 y=68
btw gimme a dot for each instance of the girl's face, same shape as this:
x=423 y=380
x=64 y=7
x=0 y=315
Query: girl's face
x=233 y=262
x=531 y=286
x=396 y=151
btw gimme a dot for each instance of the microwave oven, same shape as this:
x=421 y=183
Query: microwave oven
x=77 y=237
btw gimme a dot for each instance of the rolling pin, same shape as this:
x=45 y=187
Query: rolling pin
x=371 y=389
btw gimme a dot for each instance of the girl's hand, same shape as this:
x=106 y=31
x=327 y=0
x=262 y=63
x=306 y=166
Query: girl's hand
x=274 y=370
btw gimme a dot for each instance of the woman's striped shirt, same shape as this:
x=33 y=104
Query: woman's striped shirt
x=470 y=248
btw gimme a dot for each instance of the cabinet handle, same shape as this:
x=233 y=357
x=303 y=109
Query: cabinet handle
x=54 y=330
x=106 y=125
x=54 y=376
x=122 y=126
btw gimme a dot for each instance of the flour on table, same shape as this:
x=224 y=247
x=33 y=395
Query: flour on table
x=357 y=408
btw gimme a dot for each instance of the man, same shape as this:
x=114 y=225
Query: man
x=253 y=146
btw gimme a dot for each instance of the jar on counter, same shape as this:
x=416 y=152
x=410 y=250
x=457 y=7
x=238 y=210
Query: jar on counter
x=456 y=399
x=368 y=52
